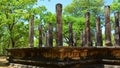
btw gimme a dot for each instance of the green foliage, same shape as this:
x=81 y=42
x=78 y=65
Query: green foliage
x=14 y=18
x=79 y=7
x=115 y=6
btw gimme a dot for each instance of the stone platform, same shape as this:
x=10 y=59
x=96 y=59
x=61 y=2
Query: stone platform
x=66 y=57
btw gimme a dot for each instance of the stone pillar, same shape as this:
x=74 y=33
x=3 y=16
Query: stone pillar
x=70 y=34
x=98 y=33
x=40 y=36
x=50 y=36
x=107 y=27
x=59 y=38
x=46 y=39
x=75 y=39
x=31 y=32
x=117 y=32
x=87 y=30
x=82 y=38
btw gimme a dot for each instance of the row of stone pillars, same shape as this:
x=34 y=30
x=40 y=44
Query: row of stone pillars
x=86 y=39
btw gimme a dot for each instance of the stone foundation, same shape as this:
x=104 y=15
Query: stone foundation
x=14 y=65
x=65 y=57
x=23 y=66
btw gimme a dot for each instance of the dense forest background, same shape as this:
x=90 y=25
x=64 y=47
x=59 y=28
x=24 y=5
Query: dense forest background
x=15 y=15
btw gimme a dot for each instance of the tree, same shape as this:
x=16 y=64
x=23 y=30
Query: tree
x=115 y=6
x=79 y=7
x=75 y=13
x=12 y=12
x=14 y=18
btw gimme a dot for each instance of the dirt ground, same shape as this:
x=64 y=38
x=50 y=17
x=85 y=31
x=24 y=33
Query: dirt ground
x=4 y=62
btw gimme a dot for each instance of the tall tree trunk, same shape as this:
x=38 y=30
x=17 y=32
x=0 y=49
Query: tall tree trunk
x=13 y=42
x=10 y=27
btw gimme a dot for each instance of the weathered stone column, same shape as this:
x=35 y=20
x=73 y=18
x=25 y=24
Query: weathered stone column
x=50 y=36
x=82 y=38
x=40 y=35
x=31 y=32
x=87 y=30
x=117 y=31
x=98 y=33
x=46 y=39
x=107 y=27
x=59 y=38
x=75 y=39
x=70 y=34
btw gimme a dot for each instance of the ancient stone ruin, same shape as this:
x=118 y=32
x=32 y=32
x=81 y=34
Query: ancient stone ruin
x=72 y=56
